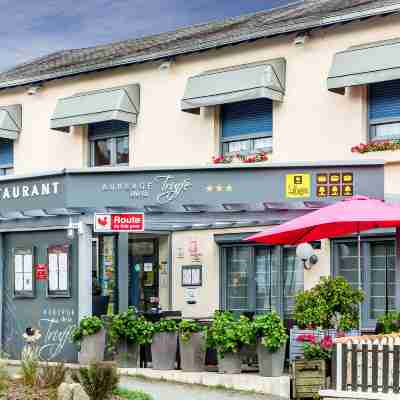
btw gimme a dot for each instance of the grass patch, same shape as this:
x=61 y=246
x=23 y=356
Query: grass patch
x=132 y=394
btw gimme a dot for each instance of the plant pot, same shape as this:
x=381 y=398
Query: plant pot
x=92 y=348
x=127 y=354
x=163 y=350
x=309 y=377
x=270 y=363
x=230 y=363
x=100 y=305
x=193 y=353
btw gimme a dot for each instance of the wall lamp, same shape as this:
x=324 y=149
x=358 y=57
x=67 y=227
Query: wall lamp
x=301 y=39
x=32 y=90
x=306 y=253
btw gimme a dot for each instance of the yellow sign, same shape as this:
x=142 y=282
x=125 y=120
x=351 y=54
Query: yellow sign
x=298 y=185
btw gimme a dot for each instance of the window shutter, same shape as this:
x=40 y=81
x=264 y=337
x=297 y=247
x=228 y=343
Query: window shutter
x=247 y=117
x=6 y=152
x=384 y=100
x=107 y=129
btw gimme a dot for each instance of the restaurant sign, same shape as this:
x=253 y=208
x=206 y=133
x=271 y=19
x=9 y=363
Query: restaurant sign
x=126 y=222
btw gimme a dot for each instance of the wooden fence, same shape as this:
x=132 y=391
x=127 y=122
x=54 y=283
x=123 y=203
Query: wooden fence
x=367 y=364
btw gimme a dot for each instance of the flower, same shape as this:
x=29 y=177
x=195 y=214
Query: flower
x=326 y=343
x=308 y=337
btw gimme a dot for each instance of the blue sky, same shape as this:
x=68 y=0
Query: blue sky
x=32 y=28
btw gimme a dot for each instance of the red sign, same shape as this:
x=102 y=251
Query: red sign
x=126 y=222
x=41 y=271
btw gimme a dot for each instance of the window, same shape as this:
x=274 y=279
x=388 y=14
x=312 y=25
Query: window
x=24 y=285
x=255 y=280
x=378 y=274
x=384 y=110
x=109 y=143
x=58 y=274
x=246 y=126
x=6 y=156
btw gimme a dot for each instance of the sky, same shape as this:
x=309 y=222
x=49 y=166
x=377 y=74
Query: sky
x=33 y=28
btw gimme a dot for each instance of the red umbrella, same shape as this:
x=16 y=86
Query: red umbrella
x=353 y=215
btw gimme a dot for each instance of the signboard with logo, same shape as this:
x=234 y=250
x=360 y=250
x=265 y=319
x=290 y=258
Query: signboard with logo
x=123 y=222
x=41 y=271
x=298 y=185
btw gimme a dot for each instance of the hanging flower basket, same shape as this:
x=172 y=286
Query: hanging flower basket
x=240 y=158
x=377 y=145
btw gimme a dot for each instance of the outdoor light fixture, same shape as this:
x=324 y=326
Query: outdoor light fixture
x=165 y=66
x=32 y=90
x=301 y=39
x=305 y=252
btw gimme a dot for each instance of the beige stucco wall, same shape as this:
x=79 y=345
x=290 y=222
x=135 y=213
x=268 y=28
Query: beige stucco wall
x=310 y=124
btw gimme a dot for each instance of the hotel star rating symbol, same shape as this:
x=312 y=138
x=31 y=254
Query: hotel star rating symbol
x=219 y=188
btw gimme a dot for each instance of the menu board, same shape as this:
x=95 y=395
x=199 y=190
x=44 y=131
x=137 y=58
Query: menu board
x=23 y=272
x=58 y=280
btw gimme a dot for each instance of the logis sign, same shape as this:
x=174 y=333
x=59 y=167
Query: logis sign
x=126 y=222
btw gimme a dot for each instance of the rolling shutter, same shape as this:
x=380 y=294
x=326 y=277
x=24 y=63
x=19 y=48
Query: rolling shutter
x=384 y=100
x=108 y=129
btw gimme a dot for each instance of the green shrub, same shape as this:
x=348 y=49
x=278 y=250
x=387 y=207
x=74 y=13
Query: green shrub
x=4 y=378
x=30 y=365
x=165 y=325
x=87 y=327
x=227 y=334
x=132 y=394
x=99 y=380
x=187 y=327
x=390 y=322
x=270 y=329
x=52 y=376
x=329 y=299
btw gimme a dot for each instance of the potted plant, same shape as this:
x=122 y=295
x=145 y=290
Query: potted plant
x=164 y=344
x=388 y=323
x=228 y=335
x=329 y=308
x=310 y=373
x=127 y=331
x=91 y=337
x=192 y=346
x=99 y=302
x=271 y=343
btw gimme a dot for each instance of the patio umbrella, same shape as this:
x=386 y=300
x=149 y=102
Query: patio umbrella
x=353 y=215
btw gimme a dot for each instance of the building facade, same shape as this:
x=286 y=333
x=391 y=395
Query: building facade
x=214 y=134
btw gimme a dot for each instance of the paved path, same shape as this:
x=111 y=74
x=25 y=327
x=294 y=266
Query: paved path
x=161 y=390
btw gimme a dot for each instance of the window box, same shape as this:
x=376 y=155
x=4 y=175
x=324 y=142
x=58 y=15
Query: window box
x=241 y=158
x=377 y=145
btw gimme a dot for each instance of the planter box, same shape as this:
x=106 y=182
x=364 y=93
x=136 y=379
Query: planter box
x=231 y=363
x=296 y=347
x=309 y=377
x=193 y=353
x=92 y=348
x=270 y=364
x=127 y=354
x=163 y=350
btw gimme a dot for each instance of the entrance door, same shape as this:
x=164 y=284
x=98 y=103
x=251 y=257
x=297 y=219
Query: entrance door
x=143 y=273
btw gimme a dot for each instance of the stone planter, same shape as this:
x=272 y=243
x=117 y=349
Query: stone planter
x=231 y=363
x=309 y=377
x=270 y=363
x=163 y=350
x=92 y=348
x=127 y=354
x=193 y=353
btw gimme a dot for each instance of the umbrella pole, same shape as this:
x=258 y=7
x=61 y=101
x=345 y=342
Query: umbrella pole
x=359 y=279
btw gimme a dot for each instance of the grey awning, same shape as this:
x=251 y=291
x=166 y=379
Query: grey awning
x=119 y=103
x=228 y=85
x=360 y=65
x=10 y=121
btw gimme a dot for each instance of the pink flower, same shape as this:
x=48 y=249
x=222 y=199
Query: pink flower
x=326 y=343
x=310 y=338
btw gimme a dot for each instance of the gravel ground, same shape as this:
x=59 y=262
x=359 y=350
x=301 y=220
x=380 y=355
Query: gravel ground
x=161 y=390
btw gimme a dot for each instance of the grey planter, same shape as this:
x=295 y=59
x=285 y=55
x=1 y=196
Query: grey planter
x=193 y=353
x=231 y=363
x=92 y=348
x=270 y=364
x=127 y=354
x=163 y=350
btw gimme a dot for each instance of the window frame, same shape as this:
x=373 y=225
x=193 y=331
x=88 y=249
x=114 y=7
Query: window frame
x=108 y=136
x=373 y=122
x=6 y=167
x=24 y=294
x=367 y=322
x=59 y=293
x=224 y=141
x=277 y=252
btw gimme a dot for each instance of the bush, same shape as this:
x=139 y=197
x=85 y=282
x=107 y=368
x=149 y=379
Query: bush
x=270 y=329
x=332 y=303
x=87 y=327
x=187 y=327
x=228 y=335
x=30 y=365
x=99 y=380
x=132 y=394
x=389 y=322
x=165 y=325
x=52 y=376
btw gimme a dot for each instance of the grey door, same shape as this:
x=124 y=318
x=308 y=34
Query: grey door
x=55 y=314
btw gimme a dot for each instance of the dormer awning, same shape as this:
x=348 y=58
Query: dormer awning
x=10 y=121
x=365 y=64
x=229 y=85
x=118 y=103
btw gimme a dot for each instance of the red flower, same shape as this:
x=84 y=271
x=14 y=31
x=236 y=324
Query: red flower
x=309 y=337
x=326 y=343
